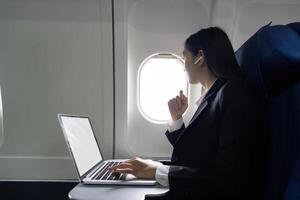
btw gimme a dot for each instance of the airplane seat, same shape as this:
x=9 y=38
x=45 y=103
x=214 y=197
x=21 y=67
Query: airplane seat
x=270 y=59
x=295 y=26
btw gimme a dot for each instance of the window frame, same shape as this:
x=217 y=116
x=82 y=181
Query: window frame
x=156 y=55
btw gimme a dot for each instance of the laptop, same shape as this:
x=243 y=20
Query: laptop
x=87 y=156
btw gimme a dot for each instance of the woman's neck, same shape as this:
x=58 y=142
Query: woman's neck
x=209 y=82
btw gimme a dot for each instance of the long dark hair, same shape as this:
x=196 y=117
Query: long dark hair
x=218 y=52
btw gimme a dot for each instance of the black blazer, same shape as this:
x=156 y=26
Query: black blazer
x=221 y=154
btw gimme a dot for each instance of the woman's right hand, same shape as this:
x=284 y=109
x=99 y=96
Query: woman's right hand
x=178 y=105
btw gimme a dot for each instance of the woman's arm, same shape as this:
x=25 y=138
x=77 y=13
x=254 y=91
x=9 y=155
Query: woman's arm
x=173 y=136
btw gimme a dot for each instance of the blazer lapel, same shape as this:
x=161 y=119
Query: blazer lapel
x=213 y=90
x=199 y=110
x=205 y=102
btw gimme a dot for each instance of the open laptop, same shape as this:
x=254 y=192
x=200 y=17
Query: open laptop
x=86 y=154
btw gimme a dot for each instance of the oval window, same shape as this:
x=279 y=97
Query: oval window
x=160 y=78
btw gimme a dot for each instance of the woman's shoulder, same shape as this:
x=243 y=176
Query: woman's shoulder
x=239 y=90
x=233 y=86
x=240 y=85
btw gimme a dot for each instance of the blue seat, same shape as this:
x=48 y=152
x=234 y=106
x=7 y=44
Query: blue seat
x=270 y=59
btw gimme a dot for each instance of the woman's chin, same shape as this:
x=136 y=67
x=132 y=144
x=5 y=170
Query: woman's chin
x=193 y=82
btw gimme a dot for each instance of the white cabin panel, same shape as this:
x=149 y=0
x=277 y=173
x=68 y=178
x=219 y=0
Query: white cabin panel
x=55 y=57
x=253 y=14
x=144 y=28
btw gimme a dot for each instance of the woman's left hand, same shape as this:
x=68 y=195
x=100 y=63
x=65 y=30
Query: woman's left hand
x=138 y=167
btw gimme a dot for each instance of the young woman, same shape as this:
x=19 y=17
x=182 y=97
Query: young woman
x=220 y=154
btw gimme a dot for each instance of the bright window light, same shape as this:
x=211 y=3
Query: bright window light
x=160 y=78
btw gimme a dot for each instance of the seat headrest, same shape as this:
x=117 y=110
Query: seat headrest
x=271 y=57
x=295 y=26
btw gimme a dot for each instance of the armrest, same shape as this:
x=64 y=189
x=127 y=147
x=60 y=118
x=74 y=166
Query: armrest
x=161 y=196
x=165 y=162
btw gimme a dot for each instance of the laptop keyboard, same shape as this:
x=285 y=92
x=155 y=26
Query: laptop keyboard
x=105 y=174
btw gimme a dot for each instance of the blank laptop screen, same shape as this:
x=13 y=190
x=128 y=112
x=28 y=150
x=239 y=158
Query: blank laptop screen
x=79 y=133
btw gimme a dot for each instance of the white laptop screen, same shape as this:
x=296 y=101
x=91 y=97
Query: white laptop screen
x=79 y=133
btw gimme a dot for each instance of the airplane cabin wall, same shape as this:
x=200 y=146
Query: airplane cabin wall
x=143 y=28
x=56 y=56
x=147 y=27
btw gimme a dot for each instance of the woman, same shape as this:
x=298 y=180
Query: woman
x=220 y=153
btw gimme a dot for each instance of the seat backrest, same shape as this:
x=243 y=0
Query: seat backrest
x=270 y=59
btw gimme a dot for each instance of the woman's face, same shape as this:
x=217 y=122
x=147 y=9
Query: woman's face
x=191 y=68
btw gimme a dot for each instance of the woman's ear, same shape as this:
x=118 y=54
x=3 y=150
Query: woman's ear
x=198 y=60
x=200 y=57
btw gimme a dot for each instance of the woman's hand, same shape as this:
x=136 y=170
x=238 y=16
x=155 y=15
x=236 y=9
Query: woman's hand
x=178 y=105
x=138 y=167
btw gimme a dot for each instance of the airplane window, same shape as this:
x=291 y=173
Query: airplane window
x=160 y=78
